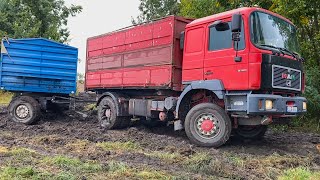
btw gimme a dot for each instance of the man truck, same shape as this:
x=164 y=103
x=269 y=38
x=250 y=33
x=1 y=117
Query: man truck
x=232 y=72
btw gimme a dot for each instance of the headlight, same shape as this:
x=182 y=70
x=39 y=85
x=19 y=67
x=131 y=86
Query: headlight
x=269 y=104
x=304 y=106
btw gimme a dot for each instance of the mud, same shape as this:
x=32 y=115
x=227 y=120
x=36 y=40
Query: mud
x=54 y=132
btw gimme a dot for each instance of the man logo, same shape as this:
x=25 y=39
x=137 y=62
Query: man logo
x=288 y=83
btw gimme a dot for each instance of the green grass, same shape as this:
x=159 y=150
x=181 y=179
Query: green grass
x=198 y=162
x=119 y=146
x=300 y=173
x=73 y=164
x=90 y=107
x=166 y=156
x=23 y=163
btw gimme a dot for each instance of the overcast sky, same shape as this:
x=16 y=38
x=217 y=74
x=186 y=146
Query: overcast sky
x=98 y=17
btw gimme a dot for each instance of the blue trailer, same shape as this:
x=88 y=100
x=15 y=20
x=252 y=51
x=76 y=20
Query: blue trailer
x=40 y=72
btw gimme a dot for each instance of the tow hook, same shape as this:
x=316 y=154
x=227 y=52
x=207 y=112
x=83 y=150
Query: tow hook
x=266 y=120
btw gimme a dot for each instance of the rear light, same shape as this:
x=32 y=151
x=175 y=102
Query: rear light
x=290 y=103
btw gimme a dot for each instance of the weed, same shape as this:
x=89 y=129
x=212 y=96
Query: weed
x=300 y=173
x=235 y=160
x=198 y=162
x=114 y=166
x=90 y=107
x=72 y=164
x=119 y=146
x=146 y=174
x=166 y=156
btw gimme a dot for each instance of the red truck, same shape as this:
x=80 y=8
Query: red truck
x=235 y=71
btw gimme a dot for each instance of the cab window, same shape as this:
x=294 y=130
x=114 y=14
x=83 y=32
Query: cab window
x=219 y=40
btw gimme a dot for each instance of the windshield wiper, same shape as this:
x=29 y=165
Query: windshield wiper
x=282 y=50
x=291 y=53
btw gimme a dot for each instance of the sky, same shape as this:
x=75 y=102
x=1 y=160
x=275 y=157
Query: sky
x=98 y=17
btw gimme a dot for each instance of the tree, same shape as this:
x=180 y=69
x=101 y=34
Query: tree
x=41 y=18
x=199 y=8
x=153 y=9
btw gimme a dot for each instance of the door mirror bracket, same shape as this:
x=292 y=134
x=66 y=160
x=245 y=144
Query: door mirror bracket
x=236 y=30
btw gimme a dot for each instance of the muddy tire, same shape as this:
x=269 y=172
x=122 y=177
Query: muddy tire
x=254 y=132
x=24 y=109
x=208 y=125
x=107 y=115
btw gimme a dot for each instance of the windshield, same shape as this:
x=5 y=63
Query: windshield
x=268 y=30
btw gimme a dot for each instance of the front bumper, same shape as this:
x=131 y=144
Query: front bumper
x=255 y=105
x=279 y=104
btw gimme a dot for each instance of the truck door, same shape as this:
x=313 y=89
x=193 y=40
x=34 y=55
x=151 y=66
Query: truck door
x=194 y=54
x=219 y=60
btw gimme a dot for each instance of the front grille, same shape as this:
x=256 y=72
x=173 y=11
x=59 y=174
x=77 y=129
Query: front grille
x=286 y=78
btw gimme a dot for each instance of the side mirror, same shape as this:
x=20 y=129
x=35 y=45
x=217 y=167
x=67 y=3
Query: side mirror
x=236 y=30
x=236 y=23
x=182 y=34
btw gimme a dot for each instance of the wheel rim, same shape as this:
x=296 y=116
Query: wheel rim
x=22 y=111
x=106 y=117
x=207 y=126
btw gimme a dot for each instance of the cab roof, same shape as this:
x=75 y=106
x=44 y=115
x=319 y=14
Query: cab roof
x=243 y=10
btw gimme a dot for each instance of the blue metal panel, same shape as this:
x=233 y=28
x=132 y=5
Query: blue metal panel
x=38 y=65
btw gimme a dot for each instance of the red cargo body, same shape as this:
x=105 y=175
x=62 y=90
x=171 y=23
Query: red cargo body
x=145 y=56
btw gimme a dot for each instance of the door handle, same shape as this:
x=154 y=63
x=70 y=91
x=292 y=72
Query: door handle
x=208 y=73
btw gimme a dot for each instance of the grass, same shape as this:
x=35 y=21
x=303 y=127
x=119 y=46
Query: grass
x=198 y=162
x=73 y=164
x=23 y=163
x=119 y=146
x=166 y=156
x=5 y=97
x=299 y=173
x=90 y=107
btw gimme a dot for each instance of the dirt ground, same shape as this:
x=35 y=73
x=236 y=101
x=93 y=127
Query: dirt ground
x=67 y=146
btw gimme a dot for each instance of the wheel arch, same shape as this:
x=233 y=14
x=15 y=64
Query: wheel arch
x=214 y=86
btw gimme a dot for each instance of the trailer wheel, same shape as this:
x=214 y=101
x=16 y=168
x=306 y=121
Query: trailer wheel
x=251 y=132
x=24 y=109
x=208 y=125
x=107 y=115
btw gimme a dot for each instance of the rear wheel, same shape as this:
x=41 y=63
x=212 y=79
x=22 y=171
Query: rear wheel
x=208 y=125
x=24 y=109
x=107 y=115
x=251 y=132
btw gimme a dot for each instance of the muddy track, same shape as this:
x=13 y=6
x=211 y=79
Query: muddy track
x=54 y=132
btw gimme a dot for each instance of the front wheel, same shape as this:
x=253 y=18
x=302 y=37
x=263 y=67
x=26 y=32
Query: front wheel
x=24 y=109
x=208 y=125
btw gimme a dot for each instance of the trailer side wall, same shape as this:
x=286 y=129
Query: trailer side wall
x=145 y=56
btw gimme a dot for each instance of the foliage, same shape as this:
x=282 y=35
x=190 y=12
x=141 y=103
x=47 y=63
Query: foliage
x=42 y=18
x=153 y=9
